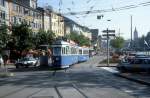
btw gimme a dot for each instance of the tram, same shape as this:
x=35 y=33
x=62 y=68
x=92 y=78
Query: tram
x=83 y=54
x=65 y=54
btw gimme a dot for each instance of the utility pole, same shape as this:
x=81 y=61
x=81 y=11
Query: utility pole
x=131 y=32
x=108 y=34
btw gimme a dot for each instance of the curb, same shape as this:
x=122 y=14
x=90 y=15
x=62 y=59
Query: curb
x=105 y=66
x=133 y=79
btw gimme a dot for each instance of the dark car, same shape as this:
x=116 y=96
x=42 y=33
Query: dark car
x=137 y=64
x=26 y=62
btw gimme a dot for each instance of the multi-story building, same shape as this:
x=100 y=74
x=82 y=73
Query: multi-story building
x=4 y=19
x=86 y=32
x=71 y=26
x=46 y=18
x=29 y=3
x=57 y=24
x=94 y=36
x=19 y=12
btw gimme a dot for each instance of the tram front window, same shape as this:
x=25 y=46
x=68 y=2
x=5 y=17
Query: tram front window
x=56 y=51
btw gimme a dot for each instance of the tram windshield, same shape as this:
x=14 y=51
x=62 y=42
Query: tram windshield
x=57 y=51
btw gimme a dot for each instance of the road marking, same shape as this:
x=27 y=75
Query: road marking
x=110 y=69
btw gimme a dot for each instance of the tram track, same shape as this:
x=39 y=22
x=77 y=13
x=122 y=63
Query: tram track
x=30 y=96
x=13 y=92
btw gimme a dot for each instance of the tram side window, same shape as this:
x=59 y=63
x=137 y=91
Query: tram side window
x=85 y=52
x=63 y=50
x=67 y=50
x=57 y=51
x=80 y=51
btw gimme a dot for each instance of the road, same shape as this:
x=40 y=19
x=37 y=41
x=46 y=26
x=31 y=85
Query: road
x=83 y=80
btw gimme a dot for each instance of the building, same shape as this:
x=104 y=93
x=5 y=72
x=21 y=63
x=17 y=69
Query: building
x=19 y=12
x=4 y=18
x=46 y=18
x=57 y=24
x=29 y=3
x=135 y=34
x=136 y=41
x=86 y=32
x=94 y=35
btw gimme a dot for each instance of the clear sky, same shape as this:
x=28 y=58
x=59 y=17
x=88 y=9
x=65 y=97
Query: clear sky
x=119 y=19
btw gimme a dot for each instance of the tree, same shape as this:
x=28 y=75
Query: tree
x=79 y=39
x=117 y=43
x=43 y=37
x=4 y=36
x=21 y=36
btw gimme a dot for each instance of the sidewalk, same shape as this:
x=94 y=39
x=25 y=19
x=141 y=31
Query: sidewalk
x=105 y=65
x=143 y=78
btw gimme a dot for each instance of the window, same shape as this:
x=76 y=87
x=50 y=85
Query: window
x=80 y=51
x=57 y=51
x=85 y=52
x=2 y=15
x=2 y=2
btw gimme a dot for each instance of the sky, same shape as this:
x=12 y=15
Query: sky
x=120 y=20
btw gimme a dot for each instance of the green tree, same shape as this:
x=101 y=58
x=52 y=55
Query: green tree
x=21 y=35
x=4 y=36
x=79 y=39
x=43 y=37
x=117 y=43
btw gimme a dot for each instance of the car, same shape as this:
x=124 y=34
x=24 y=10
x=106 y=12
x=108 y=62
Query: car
x=137 y=64
x=26 y=62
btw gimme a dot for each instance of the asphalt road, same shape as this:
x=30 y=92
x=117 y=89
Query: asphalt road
x=83 y=80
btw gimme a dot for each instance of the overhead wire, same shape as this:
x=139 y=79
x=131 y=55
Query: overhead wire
x=109 y=10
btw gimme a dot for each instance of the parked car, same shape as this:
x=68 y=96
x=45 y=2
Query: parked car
x=137 y=64
x=1 y=60
x=26 y=62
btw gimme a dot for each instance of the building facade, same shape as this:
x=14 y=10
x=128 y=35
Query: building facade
x=57 y=24
x=94 y=36
x=4 y=19
x=18 y=13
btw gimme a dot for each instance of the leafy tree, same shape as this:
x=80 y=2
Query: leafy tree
x=117 y=43
x=79 y=39
x=43 y=37
x=4 y=36
x=21 y=36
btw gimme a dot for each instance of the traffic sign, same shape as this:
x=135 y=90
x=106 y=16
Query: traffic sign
x=108 y=35
x=106 y=31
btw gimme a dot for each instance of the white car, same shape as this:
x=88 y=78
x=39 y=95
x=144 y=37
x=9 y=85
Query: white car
x=26 y=62
x=1 y=60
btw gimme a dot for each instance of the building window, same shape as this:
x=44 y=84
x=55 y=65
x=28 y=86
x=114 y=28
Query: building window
x=2 y=15
x=2 y=2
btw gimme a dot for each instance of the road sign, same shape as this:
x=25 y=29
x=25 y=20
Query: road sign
x=105 y=31
x=108 y=35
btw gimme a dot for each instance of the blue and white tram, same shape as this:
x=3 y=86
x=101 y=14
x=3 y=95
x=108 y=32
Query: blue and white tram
x=64 y=54
x=83 y=54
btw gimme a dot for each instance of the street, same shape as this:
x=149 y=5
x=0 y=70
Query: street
x=83 y=80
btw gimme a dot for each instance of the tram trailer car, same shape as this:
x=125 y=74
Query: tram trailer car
x=64 y=54
x=83 y=54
